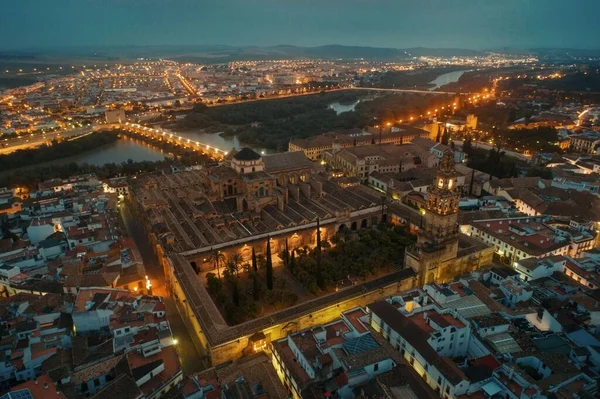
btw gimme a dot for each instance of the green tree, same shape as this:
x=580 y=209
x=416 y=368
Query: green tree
x=472 y=182
x=269 y=265
x=286 y=254
x=217 y=258
x=234 y=263
x=235 y=293
x=254 y=263
x=292 y=261
x=467 y=144
x=446 y=136
x=255 y=287
x=320 y=281
x=214 y=284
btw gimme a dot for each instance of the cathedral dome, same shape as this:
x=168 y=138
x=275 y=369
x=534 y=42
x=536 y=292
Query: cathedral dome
x=246 y=154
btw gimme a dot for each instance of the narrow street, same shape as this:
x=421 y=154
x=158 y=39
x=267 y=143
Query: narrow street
x=191 y=361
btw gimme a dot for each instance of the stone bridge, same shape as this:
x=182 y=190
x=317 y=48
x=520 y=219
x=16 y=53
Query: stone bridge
x=168 y=137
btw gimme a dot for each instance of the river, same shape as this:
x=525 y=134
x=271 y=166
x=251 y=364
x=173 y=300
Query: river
x=124 y=149
x=446 y=78
x=120 y=151
x=340 y=108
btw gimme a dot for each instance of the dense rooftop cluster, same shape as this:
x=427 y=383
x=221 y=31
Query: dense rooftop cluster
x=65 y=235
x=97 y=343
x=490 y=334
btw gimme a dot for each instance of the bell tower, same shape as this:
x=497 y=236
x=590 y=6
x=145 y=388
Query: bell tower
x=440 y=219
x=437 y=238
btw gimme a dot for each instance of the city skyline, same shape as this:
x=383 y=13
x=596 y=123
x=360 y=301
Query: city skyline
x=472 y=24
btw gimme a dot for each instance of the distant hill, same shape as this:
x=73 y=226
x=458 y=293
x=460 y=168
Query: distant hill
x=223 y=53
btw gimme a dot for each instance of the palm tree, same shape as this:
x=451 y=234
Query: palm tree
x=235 y=260
x=217 y=258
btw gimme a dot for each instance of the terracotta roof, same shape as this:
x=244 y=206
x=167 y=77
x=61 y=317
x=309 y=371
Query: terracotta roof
x=40 y=388
x=95 y=370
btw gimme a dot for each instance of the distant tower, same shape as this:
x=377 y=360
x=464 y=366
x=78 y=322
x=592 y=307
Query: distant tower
x=437 y=242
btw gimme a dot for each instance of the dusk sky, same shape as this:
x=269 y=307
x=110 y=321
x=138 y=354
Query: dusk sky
x=474 y=24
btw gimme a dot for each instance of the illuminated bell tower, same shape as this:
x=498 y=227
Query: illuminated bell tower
x=440 y=221
x=437 y=239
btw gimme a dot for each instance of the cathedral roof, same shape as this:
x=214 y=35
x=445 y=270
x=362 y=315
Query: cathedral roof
x=247 y=154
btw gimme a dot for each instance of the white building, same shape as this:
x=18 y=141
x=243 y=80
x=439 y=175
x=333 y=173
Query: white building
x=427 y=338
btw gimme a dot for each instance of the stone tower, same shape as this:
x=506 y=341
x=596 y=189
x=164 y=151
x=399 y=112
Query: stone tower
x=437 y=240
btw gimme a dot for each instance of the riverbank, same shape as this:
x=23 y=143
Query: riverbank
x=170 y=156
x=56 y=150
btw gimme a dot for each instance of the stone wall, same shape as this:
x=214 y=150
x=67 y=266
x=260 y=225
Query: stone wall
x=222 y=342
x=234 y=349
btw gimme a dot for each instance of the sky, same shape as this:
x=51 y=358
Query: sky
x=470 y=24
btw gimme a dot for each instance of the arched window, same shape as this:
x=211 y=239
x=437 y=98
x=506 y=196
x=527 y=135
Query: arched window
x=261 y=192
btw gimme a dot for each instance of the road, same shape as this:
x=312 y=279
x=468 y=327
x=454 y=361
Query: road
x=191 y=360
x=37 y=139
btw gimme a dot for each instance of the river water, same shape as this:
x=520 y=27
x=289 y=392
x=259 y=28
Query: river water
x=124 y=149
x=340 y=108
x=120 y=151
x=446 y=78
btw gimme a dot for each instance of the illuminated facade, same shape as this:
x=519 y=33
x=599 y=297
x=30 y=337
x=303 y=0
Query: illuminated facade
x=441 y=254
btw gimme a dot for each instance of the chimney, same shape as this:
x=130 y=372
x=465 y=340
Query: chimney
x=35 y=381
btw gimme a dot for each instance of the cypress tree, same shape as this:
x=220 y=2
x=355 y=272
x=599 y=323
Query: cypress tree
x=472 y=181
x=320 y=281
x=255 y=286
x=292 y=261
x=446 y=137
x=254 y=265
x=236 y=294
x=269 y=265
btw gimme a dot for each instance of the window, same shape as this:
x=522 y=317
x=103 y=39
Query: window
x=96 y=382
x=376 y=367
